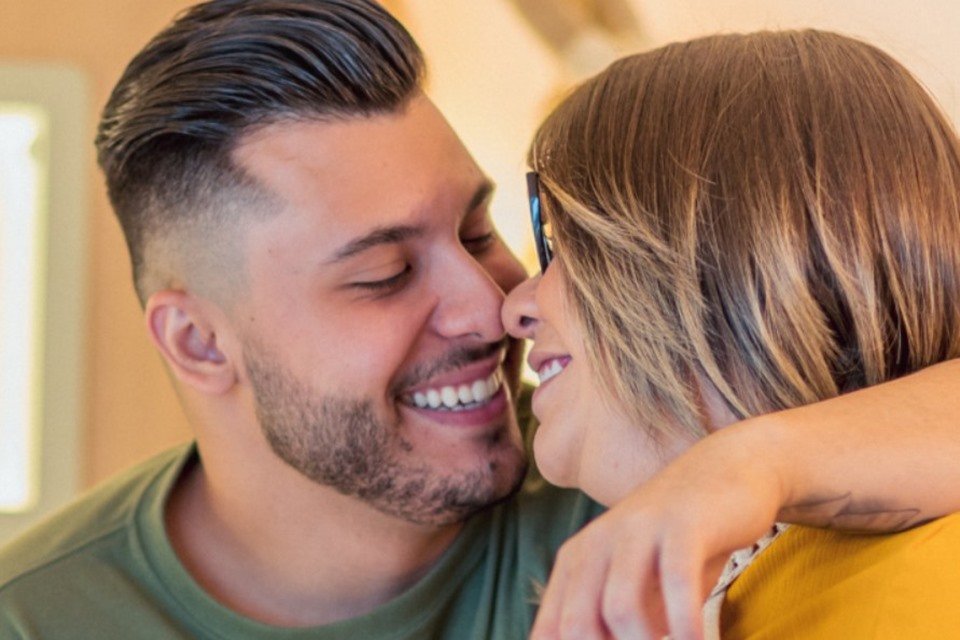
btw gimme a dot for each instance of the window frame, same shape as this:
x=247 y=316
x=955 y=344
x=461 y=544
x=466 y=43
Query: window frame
x=61 y=302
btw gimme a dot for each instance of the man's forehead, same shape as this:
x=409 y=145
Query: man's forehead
x=365 y=170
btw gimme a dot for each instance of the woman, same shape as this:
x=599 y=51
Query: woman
x=743 y=224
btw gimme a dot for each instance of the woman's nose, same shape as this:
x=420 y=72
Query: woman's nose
x=520 y=313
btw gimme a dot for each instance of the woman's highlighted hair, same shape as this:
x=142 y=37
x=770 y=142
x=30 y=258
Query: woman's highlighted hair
x=777 y=213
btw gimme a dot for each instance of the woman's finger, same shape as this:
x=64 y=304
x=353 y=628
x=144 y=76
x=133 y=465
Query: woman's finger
x=546 y=626
x=580 y=615
x=626 y=595
x=682 y=593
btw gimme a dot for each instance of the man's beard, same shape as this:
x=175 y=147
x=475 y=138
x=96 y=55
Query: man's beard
x=341 y=443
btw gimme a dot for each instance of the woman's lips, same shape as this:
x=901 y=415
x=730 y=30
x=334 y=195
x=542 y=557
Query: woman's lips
x=548 y=365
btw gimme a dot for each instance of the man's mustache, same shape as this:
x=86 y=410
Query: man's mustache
x=455 y=359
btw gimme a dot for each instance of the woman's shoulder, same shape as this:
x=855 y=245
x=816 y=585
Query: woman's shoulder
x=819 y=583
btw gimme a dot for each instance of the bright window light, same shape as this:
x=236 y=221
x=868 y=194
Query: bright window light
x=22 y=175
x=43 y=230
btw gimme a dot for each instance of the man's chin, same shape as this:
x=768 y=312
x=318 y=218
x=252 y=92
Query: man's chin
x=515 y=484
x=510 y=483
x=454 y=499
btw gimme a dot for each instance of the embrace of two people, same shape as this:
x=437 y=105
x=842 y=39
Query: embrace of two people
x=747 y=243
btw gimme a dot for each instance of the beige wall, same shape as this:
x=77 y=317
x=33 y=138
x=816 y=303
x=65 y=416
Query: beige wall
x=131 y=409
x=922 y=34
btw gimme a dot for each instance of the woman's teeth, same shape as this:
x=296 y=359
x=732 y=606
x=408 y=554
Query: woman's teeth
x=458 y=398
x=549 y=370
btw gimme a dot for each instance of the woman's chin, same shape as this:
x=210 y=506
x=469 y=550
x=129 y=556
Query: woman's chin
x=554 y=463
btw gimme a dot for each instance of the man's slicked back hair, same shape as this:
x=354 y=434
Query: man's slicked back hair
x=222 y=69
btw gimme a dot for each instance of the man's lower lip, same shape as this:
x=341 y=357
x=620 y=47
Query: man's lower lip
x=480 y=416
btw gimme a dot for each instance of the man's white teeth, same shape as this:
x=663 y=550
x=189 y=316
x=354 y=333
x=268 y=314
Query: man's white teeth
x=449 y=397
x=480 y=390
x=464 y=396
x=549 y=370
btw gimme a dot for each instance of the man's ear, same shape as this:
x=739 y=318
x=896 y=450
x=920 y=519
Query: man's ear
x=184 y=330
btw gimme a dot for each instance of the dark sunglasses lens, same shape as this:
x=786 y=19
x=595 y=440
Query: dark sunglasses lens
x=544 y=254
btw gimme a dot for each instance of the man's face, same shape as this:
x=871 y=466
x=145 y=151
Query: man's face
x=371 y=326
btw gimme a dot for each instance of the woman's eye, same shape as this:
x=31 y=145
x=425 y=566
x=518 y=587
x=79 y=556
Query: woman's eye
x=479 y=244
x=386 y=283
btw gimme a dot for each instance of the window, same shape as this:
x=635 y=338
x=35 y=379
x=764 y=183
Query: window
x=23 y=163
x=42 y=230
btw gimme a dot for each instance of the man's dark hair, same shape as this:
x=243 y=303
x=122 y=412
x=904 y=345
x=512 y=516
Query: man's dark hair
x=222 y=69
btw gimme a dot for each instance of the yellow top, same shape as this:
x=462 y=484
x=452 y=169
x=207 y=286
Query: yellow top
x=813 y=583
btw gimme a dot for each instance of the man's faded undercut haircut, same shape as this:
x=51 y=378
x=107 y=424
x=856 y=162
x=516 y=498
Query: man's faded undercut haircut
x=777 y=213
x=221 y=70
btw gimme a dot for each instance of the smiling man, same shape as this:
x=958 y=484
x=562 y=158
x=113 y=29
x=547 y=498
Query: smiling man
x=313 y=249
x=384 y=274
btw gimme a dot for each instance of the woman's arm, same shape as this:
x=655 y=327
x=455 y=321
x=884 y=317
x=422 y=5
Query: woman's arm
x=880 y=459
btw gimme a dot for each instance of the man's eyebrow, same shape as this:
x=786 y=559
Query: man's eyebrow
x=399 y=233
x=379 y=236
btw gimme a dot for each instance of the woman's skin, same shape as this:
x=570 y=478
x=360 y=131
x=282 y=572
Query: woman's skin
x=877 y=460
x=586 y=438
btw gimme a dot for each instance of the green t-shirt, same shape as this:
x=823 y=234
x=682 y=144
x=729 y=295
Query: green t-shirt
x=104 y=568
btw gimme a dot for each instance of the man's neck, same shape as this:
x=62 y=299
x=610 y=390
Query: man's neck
x=284 y=551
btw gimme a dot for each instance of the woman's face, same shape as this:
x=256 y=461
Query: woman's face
x=585 y=438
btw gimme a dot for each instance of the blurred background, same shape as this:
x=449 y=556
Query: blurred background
x=82 y=393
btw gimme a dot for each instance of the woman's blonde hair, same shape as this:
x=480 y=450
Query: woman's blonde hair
x=777 y=213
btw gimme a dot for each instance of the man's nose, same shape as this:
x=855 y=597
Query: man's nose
x=470 y=303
